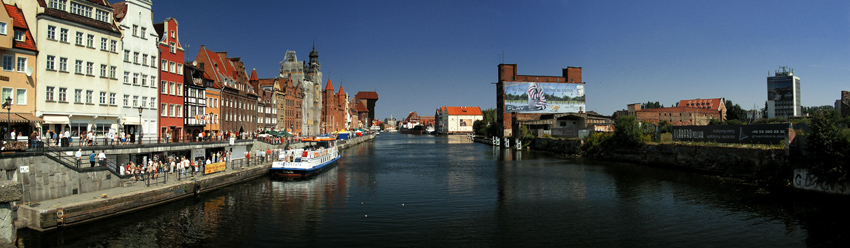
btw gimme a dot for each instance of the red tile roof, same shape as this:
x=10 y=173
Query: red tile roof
x=253 y=75
x=109 y=27
x=366 y=95
x=341 y=91
x=713 y=104
x=462 y=110
x=329 y=86
x=361 y=107
x=267 y=81
x=119 y=11
x=678 y=109
x=20 y=23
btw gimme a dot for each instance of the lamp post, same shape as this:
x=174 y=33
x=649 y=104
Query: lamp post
x=140 y=124
x=8 y=106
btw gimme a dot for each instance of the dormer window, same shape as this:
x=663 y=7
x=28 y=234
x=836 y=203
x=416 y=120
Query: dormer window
x=57 y=4
x=19 y=36
x=80 y=9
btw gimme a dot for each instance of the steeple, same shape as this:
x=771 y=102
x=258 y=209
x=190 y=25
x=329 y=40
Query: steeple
x=329 y=86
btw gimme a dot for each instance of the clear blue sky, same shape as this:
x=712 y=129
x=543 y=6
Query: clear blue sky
x=420 y=55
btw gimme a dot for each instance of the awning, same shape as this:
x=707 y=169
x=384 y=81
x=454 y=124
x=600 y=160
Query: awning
x=20 y=118
x=130 y=120
x=56 y=119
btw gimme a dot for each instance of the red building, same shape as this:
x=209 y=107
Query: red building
x=333 y=109
x=368 y=98
x=508 y=73
x=171 y=81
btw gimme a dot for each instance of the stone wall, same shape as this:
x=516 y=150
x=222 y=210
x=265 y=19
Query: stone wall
x=46 y=179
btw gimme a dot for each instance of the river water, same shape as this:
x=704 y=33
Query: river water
x=426 y=191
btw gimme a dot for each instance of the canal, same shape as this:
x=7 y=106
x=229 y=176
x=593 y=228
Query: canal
x=426 y=191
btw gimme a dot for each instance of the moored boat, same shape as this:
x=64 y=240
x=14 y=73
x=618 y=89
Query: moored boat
x=308 y=161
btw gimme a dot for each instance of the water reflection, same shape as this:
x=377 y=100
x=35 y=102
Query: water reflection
x=426 y=191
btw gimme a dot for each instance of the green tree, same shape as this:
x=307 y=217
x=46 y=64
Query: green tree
x=651 y=105
x=627 y=132
x=829 y=147
x=735 y=112
x=487 y=126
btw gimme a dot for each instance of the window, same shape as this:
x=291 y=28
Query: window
x=78 y=67
x=153 y=81
x=49 y=93
x=126 y=100
x=90 y=68
x=171 y=88
x=153 y=102
x=63 y=35
x=179 y=89
x=163 y=88
x=179 y=110
x=112 y=70
x=89 y=95
x=78 y=96
x=101 y=15
x=135 y=80
x=63 y=92
x=8 y=62
x=153 y=61
x=102 y=70
x=112 y=45
x=111 y=98
x=7 y=93
x=50 y=62
x=164 y=65
x=80 y=9
x=126 y=55
x=19 y=36
x=90 y=41
x=135 y=30
x=126 y=77
x=144 y=59
x=135 y=101
x=63 y=64
x=171 y=110
x=3 y=28
x=103 y=42
x=180 y=69
x=22 y=64
x=172 y=34
x=163 y=110
x=171 y=67
x=102 y=97
x=57 y=4
x=144 y=80
x=51 y=32
x=144 y=101
x=79 y=38
x=143 y=32
x=172 y=47
x=136 y=58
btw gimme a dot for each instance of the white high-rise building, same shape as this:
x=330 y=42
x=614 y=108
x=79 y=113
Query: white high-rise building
x=79 y=66
x=139 y=82
x=783 y=94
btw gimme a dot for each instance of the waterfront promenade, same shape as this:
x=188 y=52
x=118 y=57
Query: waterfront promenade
x=134 y=195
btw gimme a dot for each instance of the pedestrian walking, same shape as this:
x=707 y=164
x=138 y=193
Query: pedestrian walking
x=91 y=158
x=78 y=155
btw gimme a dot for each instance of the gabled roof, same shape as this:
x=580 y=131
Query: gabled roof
x=20 y=23
x=218 y=70
x=462 y=110
x=367 y=95
x=361 y=107
x=119 y=11
x=329 y=85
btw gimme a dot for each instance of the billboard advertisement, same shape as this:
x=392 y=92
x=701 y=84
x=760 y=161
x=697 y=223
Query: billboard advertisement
x=535 y=97
x=753 y=134
x=780 y=89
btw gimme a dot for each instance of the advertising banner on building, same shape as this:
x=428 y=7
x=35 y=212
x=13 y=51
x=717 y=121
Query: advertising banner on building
x=752 y=134
x=780 y=90
x=535 y=97
x=214 y=167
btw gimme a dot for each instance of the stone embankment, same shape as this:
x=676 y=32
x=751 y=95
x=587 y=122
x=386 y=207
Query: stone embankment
x=124 y=196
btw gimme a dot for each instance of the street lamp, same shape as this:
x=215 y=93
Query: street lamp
x=140 y=124
x=8 y=106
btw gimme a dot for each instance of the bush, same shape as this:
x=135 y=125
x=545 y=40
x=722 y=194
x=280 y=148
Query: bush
x=595 y=144
x=829 y=148
x=627 y=132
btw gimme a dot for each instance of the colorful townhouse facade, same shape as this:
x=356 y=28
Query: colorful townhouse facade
x=80 y=63
x=140 y=84
x=17 y=80
x=172 y=86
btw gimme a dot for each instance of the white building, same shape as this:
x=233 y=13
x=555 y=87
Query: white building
x=783 y=94
x=308 y=77
x=457 y=119
x=79 y=66
x=139 y=79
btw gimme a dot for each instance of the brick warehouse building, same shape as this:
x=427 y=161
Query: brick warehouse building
x=334 y=107
x=508 y=73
